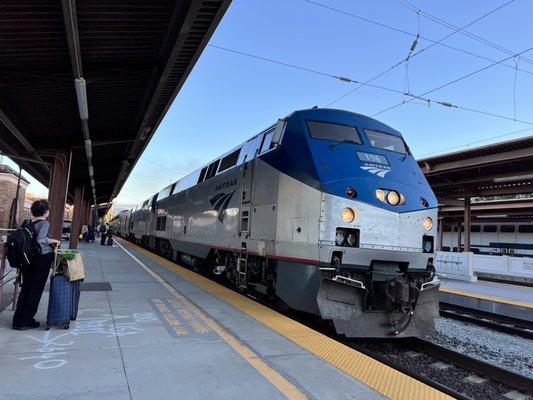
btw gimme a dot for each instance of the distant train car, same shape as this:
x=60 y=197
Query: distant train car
x=493 y=238
x=326 y=212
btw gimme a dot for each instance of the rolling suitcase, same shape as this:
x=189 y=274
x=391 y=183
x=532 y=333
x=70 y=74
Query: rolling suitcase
x=110 y=240
x=75 y=300
x=59 y=302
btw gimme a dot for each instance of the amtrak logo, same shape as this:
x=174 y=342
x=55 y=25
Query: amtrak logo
x=379 y=171
x=220 y=203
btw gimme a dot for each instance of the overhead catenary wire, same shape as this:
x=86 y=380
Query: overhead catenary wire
x=449 y=25
x=410 y=56
x=452 y=82
x=443 y=103
x=434 y=42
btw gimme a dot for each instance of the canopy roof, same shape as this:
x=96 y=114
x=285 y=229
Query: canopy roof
x=134 y=57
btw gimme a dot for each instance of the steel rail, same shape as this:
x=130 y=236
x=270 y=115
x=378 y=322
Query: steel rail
x=491 y=371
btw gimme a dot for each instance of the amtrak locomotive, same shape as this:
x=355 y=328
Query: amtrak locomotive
x=326 y=212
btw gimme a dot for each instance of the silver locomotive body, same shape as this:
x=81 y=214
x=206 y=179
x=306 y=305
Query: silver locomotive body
x=270 y=228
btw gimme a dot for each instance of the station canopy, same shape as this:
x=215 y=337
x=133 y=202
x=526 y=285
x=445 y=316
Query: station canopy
x=499 y=169
x=129 y=57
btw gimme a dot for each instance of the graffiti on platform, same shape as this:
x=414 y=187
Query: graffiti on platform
x=53 y=345
x=112 y=325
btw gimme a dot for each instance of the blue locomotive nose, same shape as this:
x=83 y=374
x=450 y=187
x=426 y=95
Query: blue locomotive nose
x=361 y=154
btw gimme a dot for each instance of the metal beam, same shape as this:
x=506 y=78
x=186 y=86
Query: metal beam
x=482 y=178
x=20 y=137
x=497 y=190
x=505 y=157
x=71 y=29
x=143 y=136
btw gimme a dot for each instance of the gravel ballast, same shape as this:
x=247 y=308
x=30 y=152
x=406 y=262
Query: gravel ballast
x=507 y=351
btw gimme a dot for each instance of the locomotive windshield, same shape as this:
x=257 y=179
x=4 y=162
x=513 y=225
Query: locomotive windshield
x=385 y=141
x=337 y=132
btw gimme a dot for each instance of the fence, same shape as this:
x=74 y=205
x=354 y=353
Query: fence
x=465 y=266
x=7 y=274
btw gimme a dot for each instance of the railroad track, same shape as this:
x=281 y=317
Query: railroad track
x=460 y=376
x=496 y=322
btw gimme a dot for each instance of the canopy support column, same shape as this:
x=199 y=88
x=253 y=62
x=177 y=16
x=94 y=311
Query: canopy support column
x=57 y=192
x=458 y=237
x=440 y=233
x=467 y=224
x=76 y=218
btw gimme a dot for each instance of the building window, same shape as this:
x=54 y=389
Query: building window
x=475 y=228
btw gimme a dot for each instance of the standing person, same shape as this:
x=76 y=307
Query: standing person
x=103 y=233
x=34 y=279
x=98 y=224
x=85 y=233
x=109 y=234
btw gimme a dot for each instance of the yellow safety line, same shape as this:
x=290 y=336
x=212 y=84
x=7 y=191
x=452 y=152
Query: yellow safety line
x=488 y=297
x=378 y=376
x=274 y=377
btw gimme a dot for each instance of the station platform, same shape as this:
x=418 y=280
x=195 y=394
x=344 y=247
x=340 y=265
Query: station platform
x=506 y=299
x=148 y=328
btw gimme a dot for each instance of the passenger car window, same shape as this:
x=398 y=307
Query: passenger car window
x=385 y=141
x=188 y=181
x=163 y=194
x=490 y=228
x=202 y=174
x=267 y=141
x=337 y=132
x=249 y=149
x=507 y=228
x=229 y=161
x=212 y=169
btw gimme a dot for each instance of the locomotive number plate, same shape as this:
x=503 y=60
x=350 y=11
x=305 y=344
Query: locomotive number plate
x=373 y=158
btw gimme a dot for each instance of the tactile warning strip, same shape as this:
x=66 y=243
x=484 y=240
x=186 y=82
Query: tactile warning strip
x=488 y=297
x=380 y=377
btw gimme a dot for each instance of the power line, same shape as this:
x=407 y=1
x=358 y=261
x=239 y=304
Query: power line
x=158 y=164
x=476 y=142
x=352 y=81
x=434 y=42
x=416 y=53
x=449 y=25
x=451 y=82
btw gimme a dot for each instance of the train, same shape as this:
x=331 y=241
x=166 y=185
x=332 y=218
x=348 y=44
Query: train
x=493 y=238
x=325 y=212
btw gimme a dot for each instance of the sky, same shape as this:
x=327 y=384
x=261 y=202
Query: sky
x=228 y=97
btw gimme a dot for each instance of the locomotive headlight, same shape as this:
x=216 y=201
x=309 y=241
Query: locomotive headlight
x=428 y=223
x=348 y=215
x=380 y=194
x=393 y=198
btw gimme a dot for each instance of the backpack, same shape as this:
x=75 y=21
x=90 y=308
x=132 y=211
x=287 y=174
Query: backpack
x=22 y=248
